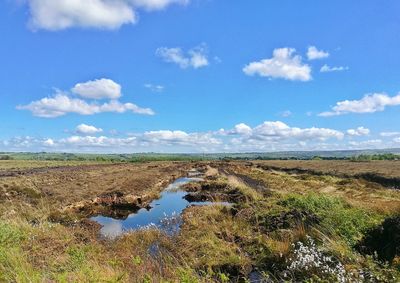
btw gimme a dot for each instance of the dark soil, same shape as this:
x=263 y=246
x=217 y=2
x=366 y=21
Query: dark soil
x=290 y=219
x=383 y=240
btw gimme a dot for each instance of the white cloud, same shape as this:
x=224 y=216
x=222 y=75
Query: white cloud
x=98 y=89
x=49 y=142
x=87 y=129
x=370 y=103
x=61 y=104
x=180 y=138
x=102 y=141
x=284 y=64
x=195 y=58
x=278 y=131
x=326 y=69
x=63 y=14
x=313 y=53
x=151 y=5
x=286 y=113
x=242 y=129
x=389 y=134
x=268 y=136
x=360 y=131
x=396 y=140
x=55 y=15
x=154 y=88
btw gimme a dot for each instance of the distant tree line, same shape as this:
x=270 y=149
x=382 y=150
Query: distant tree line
x=146 y=157
x=370 y=157
x=5 y=157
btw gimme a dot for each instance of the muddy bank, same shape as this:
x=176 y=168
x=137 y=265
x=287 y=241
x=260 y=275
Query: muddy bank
x=114 y=204
x=87 y=186
x=213 y=191
x=384 y=240
x=117 y=204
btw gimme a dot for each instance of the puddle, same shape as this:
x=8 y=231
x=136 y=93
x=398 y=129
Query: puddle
x=165 y=212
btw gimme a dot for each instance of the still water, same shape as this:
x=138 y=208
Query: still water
x=165 y=212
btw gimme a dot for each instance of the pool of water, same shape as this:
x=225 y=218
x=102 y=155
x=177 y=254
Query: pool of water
x=165 y=213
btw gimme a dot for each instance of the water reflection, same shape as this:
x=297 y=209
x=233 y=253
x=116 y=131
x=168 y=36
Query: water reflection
x=165 y=213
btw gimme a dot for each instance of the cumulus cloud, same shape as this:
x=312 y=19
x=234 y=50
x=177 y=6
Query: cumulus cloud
x=98 y=89
x=49 y=142
x=267 y=136
x=194 y=58
x=360 y=131
x=281 y=130
x=277 y=130
x=327 y=69
x=284 y=64
x=242 y=129
x=313 y=53
x=63 y=14
x=55 y=15
x=180 y=138
x=87 y=129
x=370 y=103
x=61 y=104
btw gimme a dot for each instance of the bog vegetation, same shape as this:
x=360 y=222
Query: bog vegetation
x=282 y=227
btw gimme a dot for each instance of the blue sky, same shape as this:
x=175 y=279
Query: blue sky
x=198 y=75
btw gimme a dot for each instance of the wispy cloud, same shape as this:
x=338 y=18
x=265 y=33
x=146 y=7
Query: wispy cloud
x=389 y=134
x=327 y=69
x=155 y=87
x=194 y=58
x=152 y=5
x=286 y=113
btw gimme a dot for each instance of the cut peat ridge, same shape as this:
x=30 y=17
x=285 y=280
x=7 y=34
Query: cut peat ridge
x=164 y=213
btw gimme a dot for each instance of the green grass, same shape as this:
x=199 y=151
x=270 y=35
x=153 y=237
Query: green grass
x=338 y=217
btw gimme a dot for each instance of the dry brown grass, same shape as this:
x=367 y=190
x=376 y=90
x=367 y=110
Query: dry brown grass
x=70 y=184
x=384 y=168
x=29 y=164
x=357 y=192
